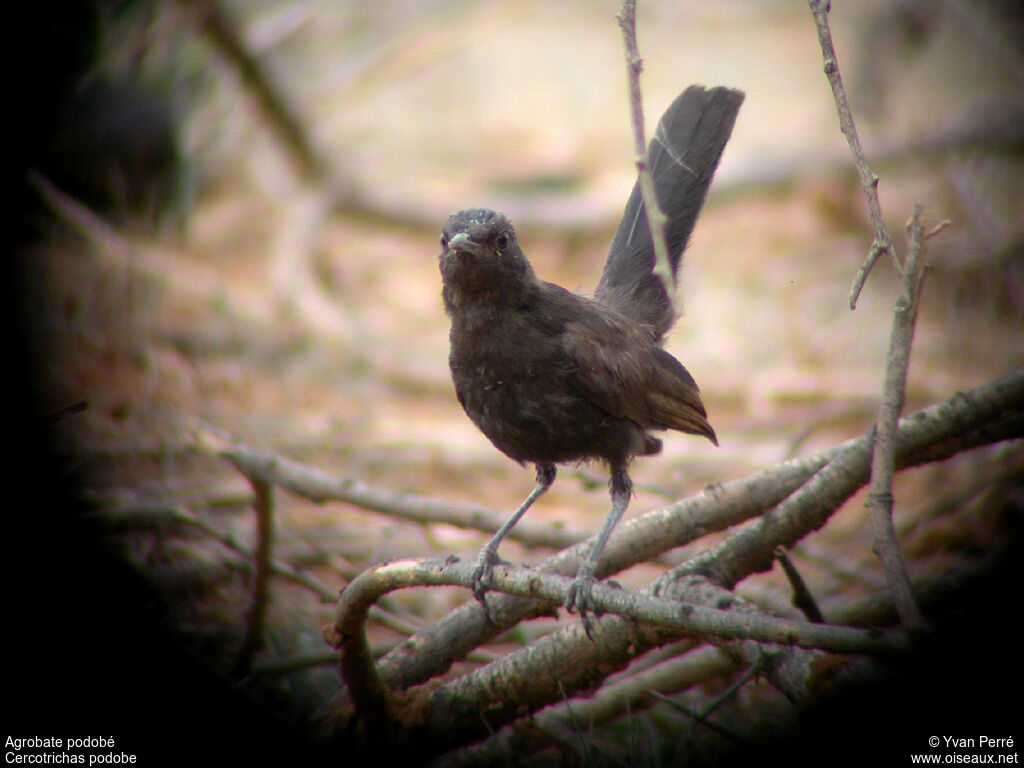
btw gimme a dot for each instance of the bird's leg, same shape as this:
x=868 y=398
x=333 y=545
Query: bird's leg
x=489 y=554
x=579 y=591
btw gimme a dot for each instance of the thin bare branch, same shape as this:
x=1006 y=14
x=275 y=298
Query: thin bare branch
x=647 y=608
x=656 y=218
x=750 y=673
x=880 y=498
x=803 y=600
x=628 y=694
x=163 y=515
x=566 y=661
x=868 y=180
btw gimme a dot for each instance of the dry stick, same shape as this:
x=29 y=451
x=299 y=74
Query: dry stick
x=529 y=679
x=277 y=567
x=880 y=498
x=257 y=614
x=656 y=219
x=370 y=585
x=676 y=674
x=868 y=180
x=803 y=600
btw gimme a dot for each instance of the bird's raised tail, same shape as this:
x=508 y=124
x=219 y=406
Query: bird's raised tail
x=682 y=157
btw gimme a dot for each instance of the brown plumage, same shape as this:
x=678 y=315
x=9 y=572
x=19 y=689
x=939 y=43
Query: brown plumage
x=550 y=376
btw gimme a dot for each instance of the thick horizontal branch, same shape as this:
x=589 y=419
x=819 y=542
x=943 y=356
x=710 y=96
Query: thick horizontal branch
x=717 y=615
x=980 y=416
x=370 y=585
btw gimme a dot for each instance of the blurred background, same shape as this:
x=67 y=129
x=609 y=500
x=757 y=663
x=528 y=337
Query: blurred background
x=232 y=217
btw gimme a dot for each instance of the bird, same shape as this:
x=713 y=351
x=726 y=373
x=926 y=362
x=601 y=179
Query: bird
x=552 y=376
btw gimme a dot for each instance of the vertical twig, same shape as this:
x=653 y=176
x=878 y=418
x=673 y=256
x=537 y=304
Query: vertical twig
x=656 y=220
x=257 y=615
x=868 y=180
x=880 y=499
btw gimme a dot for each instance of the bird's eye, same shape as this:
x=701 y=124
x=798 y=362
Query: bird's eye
x=444 y=242
x=501 y=241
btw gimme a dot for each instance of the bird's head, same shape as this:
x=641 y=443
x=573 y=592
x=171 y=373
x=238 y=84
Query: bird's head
x=480 y=257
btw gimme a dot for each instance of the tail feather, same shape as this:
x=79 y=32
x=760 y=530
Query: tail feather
x=682 y=156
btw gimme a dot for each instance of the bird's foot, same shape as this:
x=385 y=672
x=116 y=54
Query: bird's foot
x=482 y=573
x=580 y=598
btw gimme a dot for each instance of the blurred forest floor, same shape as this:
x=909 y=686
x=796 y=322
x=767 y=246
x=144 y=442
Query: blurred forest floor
x=320 y=335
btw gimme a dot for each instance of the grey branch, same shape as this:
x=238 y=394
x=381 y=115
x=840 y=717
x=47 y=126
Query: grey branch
x=868 y=180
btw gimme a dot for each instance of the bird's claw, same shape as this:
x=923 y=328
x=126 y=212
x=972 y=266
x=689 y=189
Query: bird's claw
x=481 y=578
x=580 y=599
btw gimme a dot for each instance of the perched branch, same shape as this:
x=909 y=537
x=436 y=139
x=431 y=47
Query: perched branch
x=868 y=180
x=968 y=419
x=656 y=219
x=540 y=675
x=689 y=619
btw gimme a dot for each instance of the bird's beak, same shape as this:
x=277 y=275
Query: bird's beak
x=463 y=242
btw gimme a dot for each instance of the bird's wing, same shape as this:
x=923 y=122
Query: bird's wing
x=615 y=366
